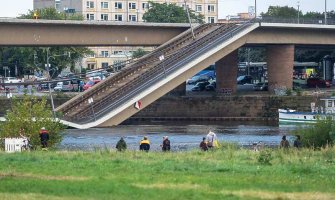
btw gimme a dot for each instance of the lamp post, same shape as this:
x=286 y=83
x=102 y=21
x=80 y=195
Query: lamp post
x=298 y=12
x=189 y=19
x=48 y=78
x=325 y=11
x=255 y=9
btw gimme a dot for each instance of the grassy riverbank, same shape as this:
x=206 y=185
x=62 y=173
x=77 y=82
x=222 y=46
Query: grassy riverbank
x=227 y=174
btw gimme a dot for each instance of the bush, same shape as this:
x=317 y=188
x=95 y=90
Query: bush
x=265 y=157
x=31 y=114
x=318 y=135
x=288 y=92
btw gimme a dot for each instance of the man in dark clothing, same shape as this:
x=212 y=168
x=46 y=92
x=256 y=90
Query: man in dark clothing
x=121 y=145
x=166 y=144
x=203 y=145
x=44 y=136
x=145 y=144
x=297 y=142
x=284 y=143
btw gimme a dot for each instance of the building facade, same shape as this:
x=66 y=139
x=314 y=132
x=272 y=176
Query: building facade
x=123 y=11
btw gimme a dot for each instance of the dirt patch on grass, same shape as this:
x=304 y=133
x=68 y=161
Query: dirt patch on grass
x=245 y=194
x=30 y=196
x=181 y=186
x=43 y=177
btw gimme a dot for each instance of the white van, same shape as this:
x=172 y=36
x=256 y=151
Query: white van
x=59 y=86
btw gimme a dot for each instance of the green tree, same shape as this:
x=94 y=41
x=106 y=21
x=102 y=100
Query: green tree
x=281 y=12
x=319 y=134
x=170 y=13
x=30 y=114
x=139 y=53
x=52 y=14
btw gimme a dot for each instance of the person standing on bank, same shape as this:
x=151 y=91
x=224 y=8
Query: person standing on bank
x=121 y=145
x=297 y=142
x=145 y=144
x=284 y=143
x=203 y=145
x=166 y=144
x=44 y=136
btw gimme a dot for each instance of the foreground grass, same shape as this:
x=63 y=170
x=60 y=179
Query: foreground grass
x=226 y=174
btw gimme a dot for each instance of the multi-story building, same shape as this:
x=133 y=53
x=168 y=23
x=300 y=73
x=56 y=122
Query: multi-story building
x=125 y=11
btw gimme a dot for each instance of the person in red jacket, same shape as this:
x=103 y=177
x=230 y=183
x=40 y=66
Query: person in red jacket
x=44 y=136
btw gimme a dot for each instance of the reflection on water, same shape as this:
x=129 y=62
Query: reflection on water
x=182 y=137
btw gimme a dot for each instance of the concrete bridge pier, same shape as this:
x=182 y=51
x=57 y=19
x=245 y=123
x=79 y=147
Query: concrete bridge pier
x=280 y=62
x=226 y=73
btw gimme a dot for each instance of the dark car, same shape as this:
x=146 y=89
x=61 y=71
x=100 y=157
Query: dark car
x=211 y=86
x=200 y=86
x=317 y=82
x=241 y=80
x=261 y=86
x=197 y=79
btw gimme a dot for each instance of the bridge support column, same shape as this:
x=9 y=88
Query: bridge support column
x=180 y=90
x=280 y=62
x=226 y=73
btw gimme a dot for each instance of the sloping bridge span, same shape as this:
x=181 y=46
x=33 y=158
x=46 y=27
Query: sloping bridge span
x=150 y=77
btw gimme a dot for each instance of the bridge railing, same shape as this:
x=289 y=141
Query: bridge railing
x=165 y=68
x=144 y=61
x=296 y=21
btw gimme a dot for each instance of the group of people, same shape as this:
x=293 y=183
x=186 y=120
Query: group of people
x=284 y=143
x=44 y=138
x=144 y=144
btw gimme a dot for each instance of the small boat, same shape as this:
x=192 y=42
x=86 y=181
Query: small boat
x=288 y=116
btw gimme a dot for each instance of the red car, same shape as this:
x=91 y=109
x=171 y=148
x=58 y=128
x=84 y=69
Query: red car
x=318 y=82
x=90 y=84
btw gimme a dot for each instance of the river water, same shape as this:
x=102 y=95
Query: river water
x=182 y=137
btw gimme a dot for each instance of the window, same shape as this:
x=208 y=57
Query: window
x=104 y=53
x=198 y=8
x=132 y=18
x=90 y=66
x=211 y=8
x=117 y=52
x=132 y=6
x=57 y=4
x=118 y=17
x=211 y=19
x=118 y=5
x=89 y=4
x=330 y=103
x=90 y=16
x=145 y=6
x=104 y=65
x=104 y=5
x=104 y=17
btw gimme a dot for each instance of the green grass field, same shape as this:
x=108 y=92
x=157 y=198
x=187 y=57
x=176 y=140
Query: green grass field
x=222 y=174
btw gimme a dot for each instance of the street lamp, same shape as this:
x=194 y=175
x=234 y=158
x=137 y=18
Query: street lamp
x=298 y=12
x=325 y=11
x=47 y=68
x=255 y=9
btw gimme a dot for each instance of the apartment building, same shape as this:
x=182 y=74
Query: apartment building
x=123 y=11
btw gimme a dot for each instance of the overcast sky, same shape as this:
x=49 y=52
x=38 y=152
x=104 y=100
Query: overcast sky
x=13 y=8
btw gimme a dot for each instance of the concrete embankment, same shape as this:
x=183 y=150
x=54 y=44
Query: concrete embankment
x=208 y=108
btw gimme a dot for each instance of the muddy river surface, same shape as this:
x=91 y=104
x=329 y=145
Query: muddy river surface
x=182 y=137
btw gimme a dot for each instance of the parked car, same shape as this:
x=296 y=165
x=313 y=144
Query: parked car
x=211 y=86
x=11 y=80
x=241 y=80
x=71 y=85
x=88 y=85
x=200 y=86
x=58 y=87
x=263 y=86
x=317 y=82
x=198 y=78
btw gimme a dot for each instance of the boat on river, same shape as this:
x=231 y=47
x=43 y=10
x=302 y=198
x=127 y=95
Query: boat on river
x=327 y=109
